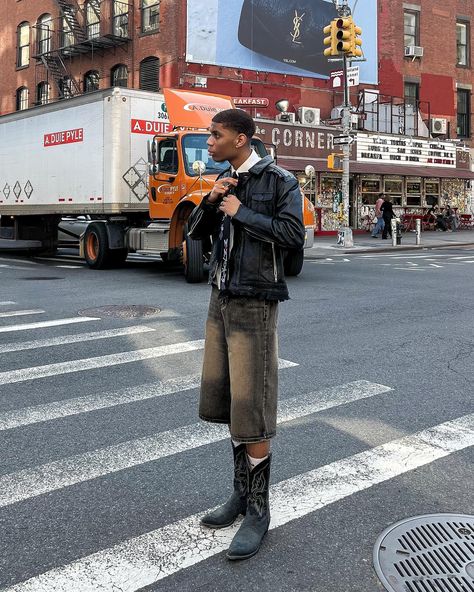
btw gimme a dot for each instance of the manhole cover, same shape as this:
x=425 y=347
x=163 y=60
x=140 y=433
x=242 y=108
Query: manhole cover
x=42 y=278
x=122 y=311
x=432 y=553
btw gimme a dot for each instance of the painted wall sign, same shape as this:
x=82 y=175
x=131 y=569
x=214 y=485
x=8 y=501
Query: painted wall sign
x=65 y=137
x=250 y=102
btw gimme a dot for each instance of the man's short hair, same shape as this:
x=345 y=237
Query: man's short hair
x=381 y=195
x=237 y=120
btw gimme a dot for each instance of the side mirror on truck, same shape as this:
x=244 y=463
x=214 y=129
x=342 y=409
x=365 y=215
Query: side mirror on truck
x=199 y=167
x=151 y=144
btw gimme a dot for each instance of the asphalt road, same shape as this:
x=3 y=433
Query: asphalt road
x=105 y=467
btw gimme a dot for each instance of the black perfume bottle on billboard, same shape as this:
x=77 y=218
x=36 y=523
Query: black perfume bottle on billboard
x=289 y=31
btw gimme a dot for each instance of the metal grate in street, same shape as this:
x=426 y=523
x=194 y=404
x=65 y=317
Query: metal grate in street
x=432 y=553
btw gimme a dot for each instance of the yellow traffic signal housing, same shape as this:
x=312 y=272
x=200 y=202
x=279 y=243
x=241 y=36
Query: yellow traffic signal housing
x=344 y=34
x=356 y=42
x=331 y=39
x=335 y=161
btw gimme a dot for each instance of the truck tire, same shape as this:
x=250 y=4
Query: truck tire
x=293 y=262
x=96 y=246
x=193 y=259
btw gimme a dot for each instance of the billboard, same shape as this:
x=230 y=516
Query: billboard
x=282 y=36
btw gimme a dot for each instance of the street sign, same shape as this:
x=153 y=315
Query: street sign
x=337 y=77
x=335 y=121
x=339 y=140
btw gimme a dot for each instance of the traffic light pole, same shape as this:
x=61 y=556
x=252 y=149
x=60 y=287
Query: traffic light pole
x=346 y=128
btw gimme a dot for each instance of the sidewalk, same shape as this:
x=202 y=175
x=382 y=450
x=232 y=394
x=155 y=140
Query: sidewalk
x=325 y=246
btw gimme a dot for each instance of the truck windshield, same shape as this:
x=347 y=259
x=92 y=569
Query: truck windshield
x=195 y=148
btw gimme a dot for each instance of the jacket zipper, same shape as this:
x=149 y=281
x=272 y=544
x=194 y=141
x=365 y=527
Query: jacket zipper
x=275 y=274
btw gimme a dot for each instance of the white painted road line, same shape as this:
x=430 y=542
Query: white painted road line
x=58 y=409
x=150 y=557
x=56 y=475
x=81 y=337
x=44 y=324
x=20 y=313
x=7 y=303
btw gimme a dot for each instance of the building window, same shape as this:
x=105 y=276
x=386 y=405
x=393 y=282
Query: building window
x=23 y=45
x=91 y=81
x=22 y=99
x=42 y=93
x=411 y=27
x=44 y=26
x=432 y=192
x=150 y=15
x=464 y=113
x=120 y=27
x=412 y=93
x=414 y=191
x=67 y=32
x=93 y=19
x=462 y=43
x=65 y=88
x=370 y=189
x=119 y=75
x=150 y=74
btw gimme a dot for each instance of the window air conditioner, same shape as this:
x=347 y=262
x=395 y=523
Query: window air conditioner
x=286 y=117
x=439 y=125
x=413 y=51
x=309 y=115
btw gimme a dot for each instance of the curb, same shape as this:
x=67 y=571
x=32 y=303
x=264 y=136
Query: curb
x=390 y=249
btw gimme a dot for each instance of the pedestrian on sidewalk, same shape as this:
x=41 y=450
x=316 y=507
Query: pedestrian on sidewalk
x=253 y=214
x=379 y=215
x=388 y=213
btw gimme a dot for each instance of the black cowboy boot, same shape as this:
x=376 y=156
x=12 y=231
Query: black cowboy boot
x=237 y=503
x=254 y=527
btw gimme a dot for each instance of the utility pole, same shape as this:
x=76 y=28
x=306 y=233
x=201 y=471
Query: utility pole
x=343 y=42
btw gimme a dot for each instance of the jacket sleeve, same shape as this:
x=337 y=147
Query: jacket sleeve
x=204 y=220
x=286 y=227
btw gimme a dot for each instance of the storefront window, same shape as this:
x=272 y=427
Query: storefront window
x=414 y=192
x=370 y=189
x=432 y=192
x=394 y=189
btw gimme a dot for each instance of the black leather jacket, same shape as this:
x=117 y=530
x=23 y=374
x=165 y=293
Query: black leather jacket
x=269 y=221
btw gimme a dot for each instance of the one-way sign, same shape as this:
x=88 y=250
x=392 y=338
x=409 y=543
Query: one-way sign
x=339 y=140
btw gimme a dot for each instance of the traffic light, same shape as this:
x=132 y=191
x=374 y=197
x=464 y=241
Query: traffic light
x=356 y=42
x=331 y=40
x=344 y=34
x=335 y=161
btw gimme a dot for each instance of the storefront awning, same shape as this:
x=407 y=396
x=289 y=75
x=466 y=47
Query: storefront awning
x=293 y=163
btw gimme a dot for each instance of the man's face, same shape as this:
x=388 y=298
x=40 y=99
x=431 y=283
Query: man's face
x=223 y=143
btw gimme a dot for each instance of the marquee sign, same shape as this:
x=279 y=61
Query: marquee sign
x=403 y=150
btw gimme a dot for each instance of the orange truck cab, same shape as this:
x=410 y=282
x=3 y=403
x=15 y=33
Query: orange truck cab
x=177 y=185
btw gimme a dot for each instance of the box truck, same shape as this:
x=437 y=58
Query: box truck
x=114 y=156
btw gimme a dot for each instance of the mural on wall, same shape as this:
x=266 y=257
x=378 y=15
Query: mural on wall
x=455 y=193
x=282 y=36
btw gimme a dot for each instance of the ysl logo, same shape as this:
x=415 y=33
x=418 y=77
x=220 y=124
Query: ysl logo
x=296 y=33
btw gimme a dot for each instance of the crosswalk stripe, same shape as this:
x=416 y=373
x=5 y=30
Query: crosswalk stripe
x=20 y=313
x=148 y=558
x=40 y=413
x=29 y=483
x=80 y=337
x=127 y=357
x=45 y=324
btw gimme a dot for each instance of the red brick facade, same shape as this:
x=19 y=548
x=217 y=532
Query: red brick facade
x=436 y=72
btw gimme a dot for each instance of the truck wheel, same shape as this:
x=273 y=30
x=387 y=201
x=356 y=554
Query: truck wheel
x=193 y=259
x=293 y=263
x=96 y=246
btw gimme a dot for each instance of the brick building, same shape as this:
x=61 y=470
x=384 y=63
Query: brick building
x=54 y=49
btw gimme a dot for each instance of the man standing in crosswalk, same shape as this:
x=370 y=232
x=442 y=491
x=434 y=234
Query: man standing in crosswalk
x=253 y=214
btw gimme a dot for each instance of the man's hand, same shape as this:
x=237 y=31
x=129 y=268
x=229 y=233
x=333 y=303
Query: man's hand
x=229 y=205
x=221 y=188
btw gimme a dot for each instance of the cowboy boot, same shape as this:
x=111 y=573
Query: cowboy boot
x=255 y=525
x=226 y=514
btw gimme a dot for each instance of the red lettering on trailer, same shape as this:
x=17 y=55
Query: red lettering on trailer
x=143 y=126
x=65 y=137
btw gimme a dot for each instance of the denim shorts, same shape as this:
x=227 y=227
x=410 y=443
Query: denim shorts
x=239 y=383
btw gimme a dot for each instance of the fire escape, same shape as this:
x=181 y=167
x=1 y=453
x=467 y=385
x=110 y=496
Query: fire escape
x=94 y=26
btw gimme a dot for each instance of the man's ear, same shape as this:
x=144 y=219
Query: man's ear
x=241 y=140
